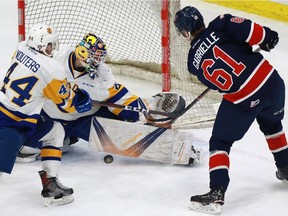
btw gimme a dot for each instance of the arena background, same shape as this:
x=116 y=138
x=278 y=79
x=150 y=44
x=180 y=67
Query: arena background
x=277 y=10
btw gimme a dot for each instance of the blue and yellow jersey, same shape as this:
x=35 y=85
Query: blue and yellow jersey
x=102 y=88
x=31 y=79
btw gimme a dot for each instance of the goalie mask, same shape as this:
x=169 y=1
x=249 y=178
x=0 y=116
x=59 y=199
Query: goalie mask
x=90 y=51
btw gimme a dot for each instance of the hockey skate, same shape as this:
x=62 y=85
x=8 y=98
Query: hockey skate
x=210 y=202
x=54 y=193
x=282 y=174
x=27 y=154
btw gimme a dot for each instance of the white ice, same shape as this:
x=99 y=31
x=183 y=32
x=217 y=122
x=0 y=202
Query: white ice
x=133 y=187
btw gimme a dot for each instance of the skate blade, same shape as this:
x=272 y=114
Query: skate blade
x=212 y=208
x=50 y=201
x=284 y=181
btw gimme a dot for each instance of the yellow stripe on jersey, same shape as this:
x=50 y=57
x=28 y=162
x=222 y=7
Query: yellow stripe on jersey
x=16 y=118
x=113 y=91
x=49 y=152
x=57 y=90
x=127 y=102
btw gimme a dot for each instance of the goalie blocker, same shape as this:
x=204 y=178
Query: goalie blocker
x=143 y=141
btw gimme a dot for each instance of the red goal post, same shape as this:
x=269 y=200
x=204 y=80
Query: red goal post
x=141 y=38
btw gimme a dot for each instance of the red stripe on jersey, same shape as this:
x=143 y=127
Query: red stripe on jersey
x=255 y=81
x=277 y=143
x=257 y=35
x=219 y=160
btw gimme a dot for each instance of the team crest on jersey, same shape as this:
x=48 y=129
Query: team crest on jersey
x=63 y=90
x=49 y=30
x=237 y=19
x=117 y=86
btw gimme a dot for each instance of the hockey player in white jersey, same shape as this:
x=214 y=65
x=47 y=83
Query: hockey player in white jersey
x=86 y=69
x=32 y=78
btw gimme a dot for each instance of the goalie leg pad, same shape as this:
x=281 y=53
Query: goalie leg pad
x=141 y=141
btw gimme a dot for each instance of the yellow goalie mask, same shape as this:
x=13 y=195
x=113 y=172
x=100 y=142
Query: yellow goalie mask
x=90 y=51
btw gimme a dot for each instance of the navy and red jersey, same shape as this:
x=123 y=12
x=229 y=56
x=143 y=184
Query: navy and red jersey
x=222 y=57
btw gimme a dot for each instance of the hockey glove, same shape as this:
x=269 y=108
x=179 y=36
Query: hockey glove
x=271 y=42
x=83 y=101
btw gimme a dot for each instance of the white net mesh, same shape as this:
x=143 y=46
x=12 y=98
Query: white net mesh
x=132 y=33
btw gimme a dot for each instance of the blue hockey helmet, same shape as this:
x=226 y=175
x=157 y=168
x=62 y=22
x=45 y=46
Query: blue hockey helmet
x=188 y=19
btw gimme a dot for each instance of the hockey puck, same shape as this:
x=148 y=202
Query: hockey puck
x=108 y=159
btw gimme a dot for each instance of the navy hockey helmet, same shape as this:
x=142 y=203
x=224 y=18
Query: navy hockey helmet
x=188 y=19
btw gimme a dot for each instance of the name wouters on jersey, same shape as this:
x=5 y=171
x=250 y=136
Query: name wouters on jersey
x=203 y=48
x=27 y=61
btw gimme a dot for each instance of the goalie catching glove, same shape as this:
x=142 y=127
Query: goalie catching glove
x=170 y=102
x=165 y=102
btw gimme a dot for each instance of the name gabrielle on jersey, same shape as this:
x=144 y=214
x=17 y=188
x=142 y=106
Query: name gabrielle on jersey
x=27 y=61
x=203 y=48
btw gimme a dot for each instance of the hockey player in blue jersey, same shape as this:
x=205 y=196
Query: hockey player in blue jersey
x=32 y=78
x=221 y=57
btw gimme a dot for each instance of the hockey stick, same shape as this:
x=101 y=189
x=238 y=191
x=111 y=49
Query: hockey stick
x=172 y=120
x=170 y=115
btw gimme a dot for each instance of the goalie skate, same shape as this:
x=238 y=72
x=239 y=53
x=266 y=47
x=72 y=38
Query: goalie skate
x=27 y=154
x=196 y=156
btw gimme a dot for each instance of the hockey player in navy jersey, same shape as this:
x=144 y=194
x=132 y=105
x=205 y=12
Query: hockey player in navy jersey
x=222 y=58
x=32 y=78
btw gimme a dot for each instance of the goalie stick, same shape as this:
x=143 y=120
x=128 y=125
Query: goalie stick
x=171 y=115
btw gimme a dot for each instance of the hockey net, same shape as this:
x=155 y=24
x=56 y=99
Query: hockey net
x=134 y=34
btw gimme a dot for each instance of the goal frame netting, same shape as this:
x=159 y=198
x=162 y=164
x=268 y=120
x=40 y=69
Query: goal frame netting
x=170 y=71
